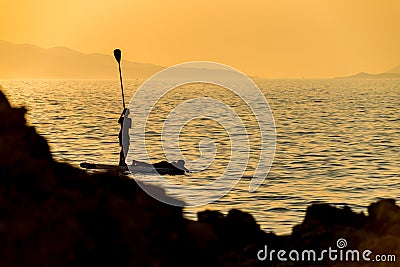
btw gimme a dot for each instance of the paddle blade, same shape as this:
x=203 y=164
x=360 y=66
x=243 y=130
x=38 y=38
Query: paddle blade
x=117 y=55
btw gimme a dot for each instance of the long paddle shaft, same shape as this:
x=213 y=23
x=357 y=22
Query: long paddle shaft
x=117 y=55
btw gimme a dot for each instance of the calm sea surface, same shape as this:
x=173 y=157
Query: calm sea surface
x=338 y=141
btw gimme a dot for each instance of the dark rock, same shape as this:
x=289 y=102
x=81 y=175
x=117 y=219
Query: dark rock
x=329 y=215
x=385 y=215
x=52 y=214
x=324 y=223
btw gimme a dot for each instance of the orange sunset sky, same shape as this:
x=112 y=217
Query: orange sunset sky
x=272 y=39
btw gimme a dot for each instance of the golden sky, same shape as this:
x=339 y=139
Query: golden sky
x=272 y=39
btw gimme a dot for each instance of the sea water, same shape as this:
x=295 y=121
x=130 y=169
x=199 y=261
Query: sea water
x=337 y=141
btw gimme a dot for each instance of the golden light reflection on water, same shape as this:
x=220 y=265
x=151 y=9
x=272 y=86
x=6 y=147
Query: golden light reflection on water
x=195 y=130
x=337 y=140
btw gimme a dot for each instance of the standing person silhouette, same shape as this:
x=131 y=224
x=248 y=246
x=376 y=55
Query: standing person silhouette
x=123 y=136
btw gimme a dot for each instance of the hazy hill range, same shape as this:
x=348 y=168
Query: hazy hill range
x=390 y=74
x=395 y=70
x=29 y=61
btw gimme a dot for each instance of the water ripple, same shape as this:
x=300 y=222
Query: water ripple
x=337 y=141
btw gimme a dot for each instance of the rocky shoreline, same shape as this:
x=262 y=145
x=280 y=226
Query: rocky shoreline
x=52 y=214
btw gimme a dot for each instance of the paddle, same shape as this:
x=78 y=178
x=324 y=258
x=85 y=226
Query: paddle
x=117 y=55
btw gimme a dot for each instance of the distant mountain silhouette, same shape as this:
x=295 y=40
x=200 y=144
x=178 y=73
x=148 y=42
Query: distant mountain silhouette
x=390 y=74
x=364 y=75
x=395 y=70
x=29 y=61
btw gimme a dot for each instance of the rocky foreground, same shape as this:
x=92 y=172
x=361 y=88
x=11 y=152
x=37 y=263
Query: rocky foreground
x=52 y=214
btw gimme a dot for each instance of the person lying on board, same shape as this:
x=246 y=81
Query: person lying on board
x=180 y=164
